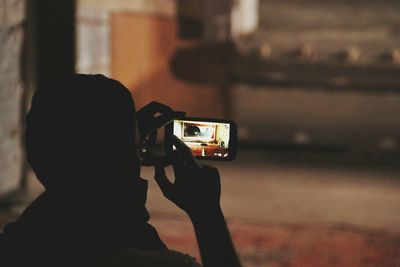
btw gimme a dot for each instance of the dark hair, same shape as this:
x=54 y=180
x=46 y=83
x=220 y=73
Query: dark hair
x=79 y=123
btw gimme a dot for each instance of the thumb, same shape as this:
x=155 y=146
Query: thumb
x=167 y=188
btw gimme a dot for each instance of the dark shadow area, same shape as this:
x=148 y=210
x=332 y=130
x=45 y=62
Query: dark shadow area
x=79 y=134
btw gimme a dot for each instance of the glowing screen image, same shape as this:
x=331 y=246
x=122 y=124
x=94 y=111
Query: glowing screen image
x=205 y=139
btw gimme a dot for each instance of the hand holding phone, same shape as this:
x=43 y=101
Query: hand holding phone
x=211 y=139
x=197 y=191
x=196 y=188
x=149 y=119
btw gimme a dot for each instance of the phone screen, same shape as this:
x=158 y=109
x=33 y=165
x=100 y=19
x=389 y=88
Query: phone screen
x=206 y=139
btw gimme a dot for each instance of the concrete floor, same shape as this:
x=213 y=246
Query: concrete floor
x=258 y=187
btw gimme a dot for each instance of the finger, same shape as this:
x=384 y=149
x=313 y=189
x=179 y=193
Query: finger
x=211 y=170
x=146 y=115
x=184 y=150
x=165 y=185
x=155 y=107
x=156 y=160
x=178 y=165
x=166 y=118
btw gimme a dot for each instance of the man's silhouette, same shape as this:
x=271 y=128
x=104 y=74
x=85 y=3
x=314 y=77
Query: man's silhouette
x=82 y=141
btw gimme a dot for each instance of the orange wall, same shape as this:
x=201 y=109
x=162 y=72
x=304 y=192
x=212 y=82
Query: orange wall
x=142 y=46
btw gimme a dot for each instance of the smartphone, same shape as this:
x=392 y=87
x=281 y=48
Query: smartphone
x=210 y=139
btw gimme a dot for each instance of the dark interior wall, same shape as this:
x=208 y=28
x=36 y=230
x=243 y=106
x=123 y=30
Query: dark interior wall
x=54 y=38
x=12 y=15
x=37 y=44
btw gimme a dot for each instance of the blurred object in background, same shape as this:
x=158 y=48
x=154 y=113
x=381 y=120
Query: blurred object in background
x=113 y=36
x=245 y=17
x=332 y=76
x=135 y=41
x=326 y=70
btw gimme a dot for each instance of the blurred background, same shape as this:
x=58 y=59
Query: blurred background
x=314 y=87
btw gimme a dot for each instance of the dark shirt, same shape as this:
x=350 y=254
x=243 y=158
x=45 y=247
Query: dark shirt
x=73 y=230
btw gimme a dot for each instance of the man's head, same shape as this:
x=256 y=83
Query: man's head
x=83 y=126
